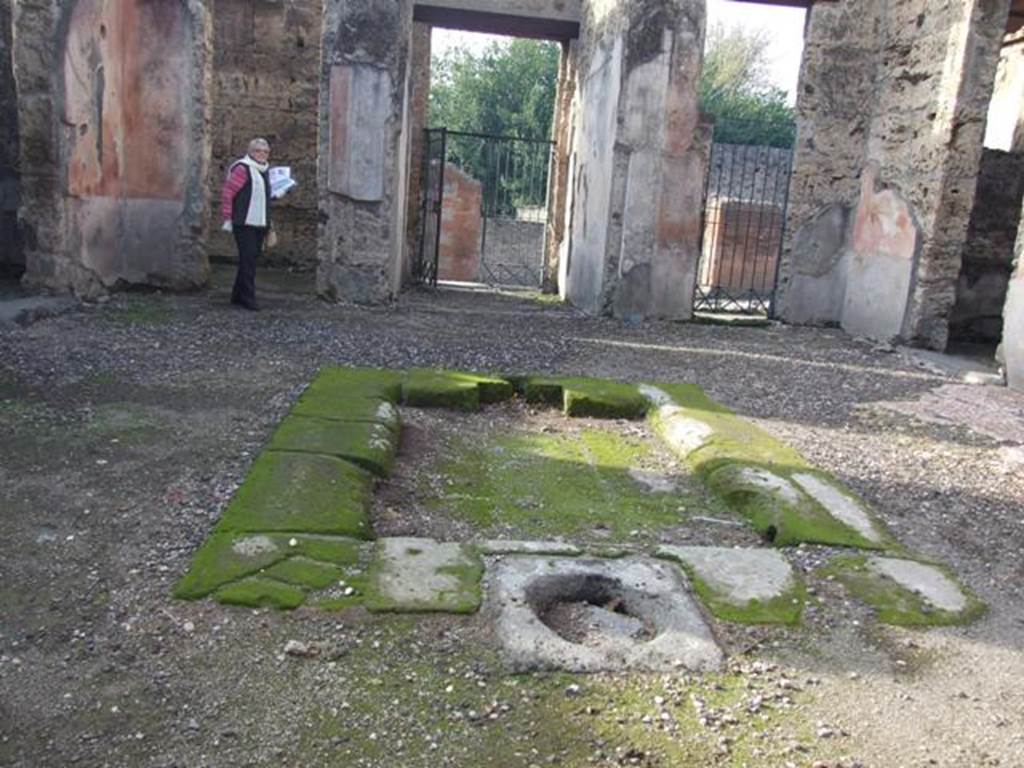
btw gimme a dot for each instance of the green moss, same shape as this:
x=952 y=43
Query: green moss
x=324 y=406
x=732 y=438
x=543 y=391
x=425 y=388
x=738 y=461
x=260 y=592
x=437 y=389
x=893 y=603
x=542 y=485
x=301 y=492
x=340 y=384
x=305 y=572
x=784 y=609
x=784 y=518
x=602 y=399
x=580 y=396
x=369 y=445
x=228 y=557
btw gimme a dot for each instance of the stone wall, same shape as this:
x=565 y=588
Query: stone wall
x=363 y=127
x=11 y=258
x=113 y=113
x=838 y=75
x=902 y=89
x=639 y=159
x=988 y=256
x=266 y=83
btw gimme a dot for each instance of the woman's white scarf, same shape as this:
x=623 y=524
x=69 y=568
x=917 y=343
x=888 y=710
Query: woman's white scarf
x=256 y=216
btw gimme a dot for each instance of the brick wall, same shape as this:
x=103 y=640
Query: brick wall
x=266 y=83
x=459 y=256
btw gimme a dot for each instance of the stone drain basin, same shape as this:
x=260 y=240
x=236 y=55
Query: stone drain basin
x=587 y=615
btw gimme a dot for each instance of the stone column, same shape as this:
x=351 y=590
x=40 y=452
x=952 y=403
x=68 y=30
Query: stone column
x=11 y=259
x=558 y=177
x=640 y=159
x=837 y=87
x=935 y=85
x=113 y=114
x=892 y=101
x=419 y=108
x=362 y=168
x=1013 y=320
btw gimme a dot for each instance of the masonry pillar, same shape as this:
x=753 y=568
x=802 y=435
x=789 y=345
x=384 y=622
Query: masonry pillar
x=362 y=168
x=11 y=259
x=908 y=121
x=113 y=116
x=639 y=159
x=1013 y=319
x=419 y=113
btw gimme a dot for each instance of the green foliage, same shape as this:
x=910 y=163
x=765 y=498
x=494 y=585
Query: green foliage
x=735 y=89
x=508 y=90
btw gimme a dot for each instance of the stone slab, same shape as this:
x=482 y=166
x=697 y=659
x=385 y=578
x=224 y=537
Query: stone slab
x=516 y=547
x=656 y=592
x=737 y=575
x=839 y=505
x=360 y=109
x=301 y=492
x=424 y=575
x=371 y=446
x=926 y=580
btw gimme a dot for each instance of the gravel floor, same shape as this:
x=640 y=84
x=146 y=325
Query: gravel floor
x=125 y=428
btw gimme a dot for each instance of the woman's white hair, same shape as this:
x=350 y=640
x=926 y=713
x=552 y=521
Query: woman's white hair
x=259 y=144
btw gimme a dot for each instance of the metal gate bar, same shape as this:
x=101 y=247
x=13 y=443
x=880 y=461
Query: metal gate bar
x=745 y=199
x=513 y=176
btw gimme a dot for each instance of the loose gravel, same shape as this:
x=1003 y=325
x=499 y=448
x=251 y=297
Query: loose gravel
x=125 y=428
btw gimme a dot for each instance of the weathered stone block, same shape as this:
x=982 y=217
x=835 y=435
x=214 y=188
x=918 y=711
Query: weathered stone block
x=361 y=102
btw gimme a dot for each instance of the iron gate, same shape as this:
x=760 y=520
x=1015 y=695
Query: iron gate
x=484 y=209
x=745 y=199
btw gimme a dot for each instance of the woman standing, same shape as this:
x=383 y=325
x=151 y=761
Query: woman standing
x=245 y=209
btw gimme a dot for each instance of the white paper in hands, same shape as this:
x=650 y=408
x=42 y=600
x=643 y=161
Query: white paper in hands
x=281 y=181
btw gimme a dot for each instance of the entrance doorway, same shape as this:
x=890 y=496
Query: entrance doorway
x=484 y=216
x=744 y=212
x=487 y=158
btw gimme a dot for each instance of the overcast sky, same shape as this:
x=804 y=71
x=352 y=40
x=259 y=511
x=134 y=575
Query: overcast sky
x=784 y=26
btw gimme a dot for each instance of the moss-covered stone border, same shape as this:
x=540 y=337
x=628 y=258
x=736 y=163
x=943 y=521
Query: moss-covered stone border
x=894 y=603
x=310 y=489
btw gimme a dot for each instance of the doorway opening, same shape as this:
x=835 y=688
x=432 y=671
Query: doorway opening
x=748 y=84
x=487 y=154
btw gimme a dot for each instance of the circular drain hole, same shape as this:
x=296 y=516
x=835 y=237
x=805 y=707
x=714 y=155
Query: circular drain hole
x=590 y=609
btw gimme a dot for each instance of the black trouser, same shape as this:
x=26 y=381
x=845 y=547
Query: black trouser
x=250 y=245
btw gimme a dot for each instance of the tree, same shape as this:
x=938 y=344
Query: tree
x=507 y=90
x=735 y=89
